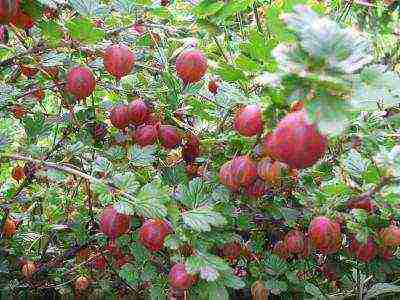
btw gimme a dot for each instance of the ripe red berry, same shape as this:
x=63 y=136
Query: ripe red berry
x=248 y=120
x=119 y=116
x=39 y=94
x=294 y=241
x=281 y=249
x=80 y=82
x=22 y=20
x=152 y=234
x=82 y=283
x=28 y=269
x=191 y=66
x=386 y=253
x=296 y=142
x=169 y=136
x=231 y=251
x=145 y=135
x=257 y=189
x=213 y=86
x=364 y=202
x=366 y=252
x=191 y=149
x=179 y=278
x=18 y=111
x=114 y=224
x=325 y=235
x=138 y=112
x=4 y=35
x=390 y=236
x=9 y=228
x=226 y=176
x=118 y=60
x=99 y=262
x=244 y=170
x=29 y=71
x=269 y=170
x=8 y=9
x=18 y=173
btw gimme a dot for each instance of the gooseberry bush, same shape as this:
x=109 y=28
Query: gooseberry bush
x=199 y=149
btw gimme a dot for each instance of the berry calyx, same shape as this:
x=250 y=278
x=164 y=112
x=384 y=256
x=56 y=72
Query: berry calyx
x=28 y=269
x=18 y=173
x=9 y=228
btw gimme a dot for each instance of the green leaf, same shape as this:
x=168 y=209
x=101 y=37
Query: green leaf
x=194 y=264
x=382 y=288
x=314 y=291
x=194 y=194
x=232 y=8
x=201 y=219
x=102 y=164
x=245 y=63
x=230 y=74
x=126 y=182
x=124 y=208
x=216 y=291
x=52 y=59
x=233 y=281
x=329 y=113
x=51 y=33
x=142 y=156
x=216 y=262
x=207 y=8
x=355 y=164
x=83 y=30
x=275 y=286
x=92 y=8
x=129 y=273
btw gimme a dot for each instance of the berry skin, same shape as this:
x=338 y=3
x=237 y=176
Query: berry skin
x=118 y=60
x=9 y=228
x=191 y=66
x=294 y=241
x=138 y=112
x=281 y=249
x=226 y=176
x=386 y=253
x=18 y=111
x=169 y=136
x=39 y=94
x=8 y=9
x=213 y=87
x=248 y=121
x=244 y=170
x=145 y=135
x=152 y=234
x=179 y=278
x=80 y=82
x=361 y=203
x=390 y=236
x=270 y=171
x=296 y=142
x=28 y=269
x=18 y=173
x=325 y=235
x=191 y=149
x=119 y=116
x=231 y=251
x=28 y=71
x=114 y=224
x=257 y=189
x=22 y=20
x=364 y=253
x=82 y=283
